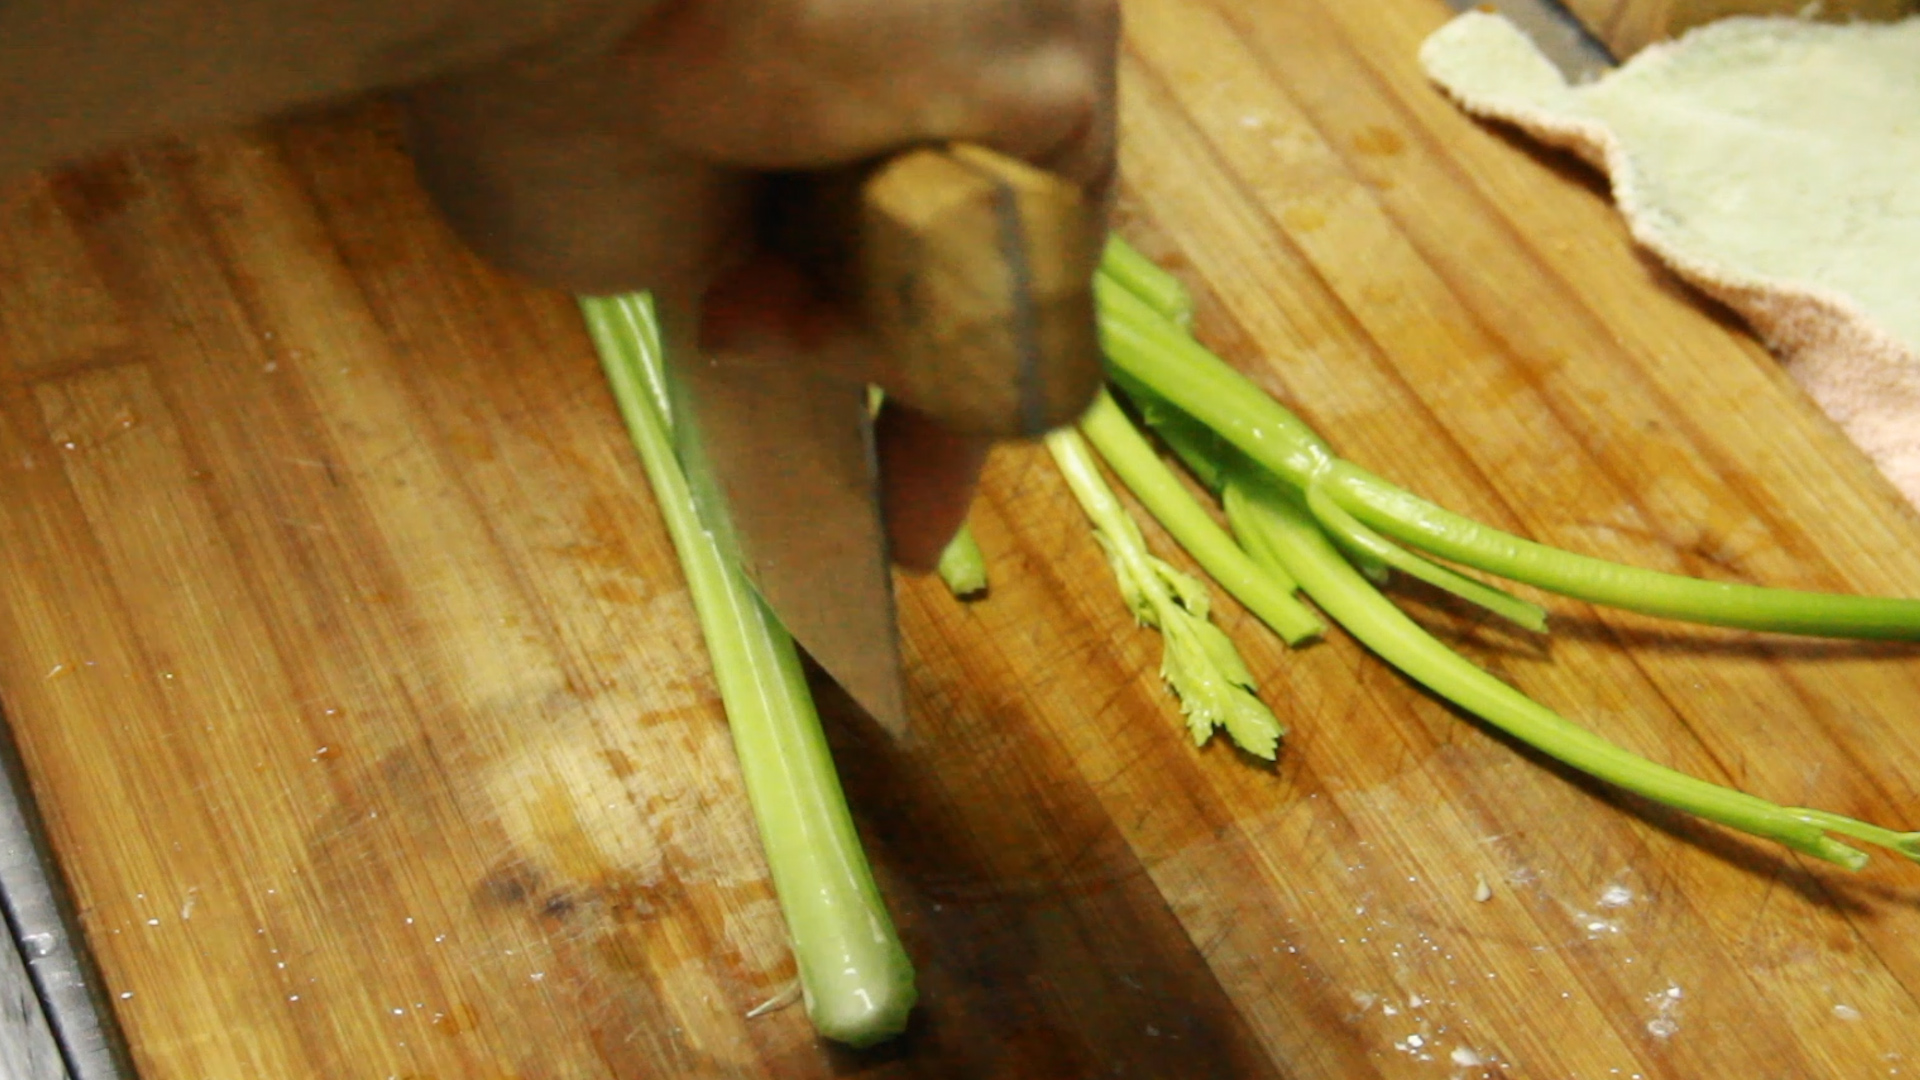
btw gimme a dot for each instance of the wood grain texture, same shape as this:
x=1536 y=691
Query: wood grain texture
x=364 y=701
x=1627 y=26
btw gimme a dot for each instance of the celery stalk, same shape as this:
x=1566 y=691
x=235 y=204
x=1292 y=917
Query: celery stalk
x=962 y=566
x=1203 y=453
x=1268 y=595
x=1276 y=524
x=855 y=977
x=1155 y=354
x=1198 y=662
x=1162 y=291
x=1361 y=543
x=1421 y=524
x=1285 y=492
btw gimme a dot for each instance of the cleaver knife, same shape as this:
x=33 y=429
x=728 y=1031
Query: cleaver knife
x=1561 y=38
x=972 y=273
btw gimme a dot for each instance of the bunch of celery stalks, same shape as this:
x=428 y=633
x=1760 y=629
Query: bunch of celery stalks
x=1299 y=520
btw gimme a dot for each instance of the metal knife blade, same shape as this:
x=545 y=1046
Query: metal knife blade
x=1561 y=37
x=781 y=463
x=970 y=269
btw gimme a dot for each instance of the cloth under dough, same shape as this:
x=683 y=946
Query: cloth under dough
x=1774 y=163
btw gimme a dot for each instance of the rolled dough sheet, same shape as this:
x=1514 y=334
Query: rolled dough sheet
x=1774 y=163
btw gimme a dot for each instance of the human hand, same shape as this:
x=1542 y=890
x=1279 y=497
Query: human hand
x=635 y=162
x=609 y=145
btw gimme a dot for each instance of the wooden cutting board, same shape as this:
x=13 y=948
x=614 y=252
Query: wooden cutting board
x=363 y=697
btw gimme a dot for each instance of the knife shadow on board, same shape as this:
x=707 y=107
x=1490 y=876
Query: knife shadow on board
x=1043 y=947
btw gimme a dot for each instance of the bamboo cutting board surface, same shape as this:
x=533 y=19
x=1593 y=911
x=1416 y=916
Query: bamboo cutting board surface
x=358 y=684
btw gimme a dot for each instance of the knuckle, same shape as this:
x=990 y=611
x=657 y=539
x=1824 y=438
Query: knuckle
x=1101 y=17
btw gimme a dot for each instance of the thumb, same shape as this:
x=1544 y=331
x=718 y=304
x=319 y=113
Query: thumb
x=566 y=201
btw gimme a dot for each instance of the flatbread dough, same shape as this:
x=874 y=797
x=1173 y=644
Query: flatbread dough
x=1772 y=162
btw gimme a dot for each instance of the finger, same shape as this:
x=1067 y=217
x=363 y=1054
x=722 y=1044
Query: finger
x=765 y=311
x=799 y=84
x=1088 y=154
x=928 y=476
x=570 y=202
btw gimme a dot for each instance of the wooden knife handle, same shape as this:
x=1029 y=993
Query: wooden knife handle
x=974 y=272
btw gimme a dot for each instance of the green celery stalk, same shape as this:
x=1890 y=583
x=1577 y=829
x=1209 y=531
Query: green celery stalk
x=1202 y=452
x=1198 y=662
x=1276 y=525
x=962 y=566
x=1143 y=278
x=1362 y=543
x=1421 y=524
x=1284 y=492
x=1268 y=595
x=1154 y=354
x=1274 y=522
x=856 y=979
